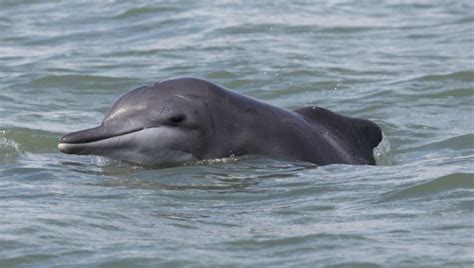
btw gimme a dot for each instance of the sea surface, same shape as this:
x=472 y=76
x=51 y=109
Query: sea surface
x=407 y=65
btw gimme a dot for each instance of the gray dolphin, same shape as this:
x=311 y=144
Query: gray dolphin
x=188 y=119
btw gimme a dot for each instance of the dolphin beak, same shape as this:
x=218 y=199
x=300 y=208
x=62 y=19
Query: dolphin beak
x=87 y=141
x=71 y=143
x=87 y=135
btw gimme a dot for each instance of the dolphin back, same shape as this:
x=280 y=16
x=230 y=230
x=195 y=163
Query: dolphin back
x=357 y=136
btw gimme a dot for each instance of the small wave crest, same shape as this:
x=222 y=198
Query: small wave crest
x=9 y=149
x=83 y=82
x=455 y=181
x=383 y=152
x=466 y=76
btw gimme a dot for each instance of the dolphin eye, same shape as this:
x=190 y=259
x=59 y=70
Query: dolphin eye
x=177 y=119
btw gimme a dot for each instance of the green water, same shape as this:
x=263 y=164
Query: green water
x=407 y=65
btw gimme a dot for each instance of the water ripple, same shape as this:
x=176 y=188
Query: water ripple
x=448 y=183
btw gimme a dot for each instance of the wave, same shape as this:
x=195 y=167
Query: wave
x=465 y=76
x=81 y=81
x=9 y=149
x=445 y=183
x=461 y=142
x=16 y=141
x=144 y=10
x=278 y=242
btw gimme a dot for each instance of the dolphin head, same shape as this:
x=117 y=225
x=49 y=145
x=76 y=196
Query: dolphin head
x=162 y=124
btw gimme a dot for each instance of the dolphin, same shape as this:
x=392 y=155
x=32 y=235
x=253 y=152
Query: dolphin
x=184 y=120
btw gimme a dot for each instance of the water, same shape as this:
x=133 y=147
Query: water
x=407 y=65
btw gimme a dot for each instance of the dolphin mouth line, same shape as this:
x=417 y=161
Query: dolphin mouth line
x=87 y=140
x=93 y=144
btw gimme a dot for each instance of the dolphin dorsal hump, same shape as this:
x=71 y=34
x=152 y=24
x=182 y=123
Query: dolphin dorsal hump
x=359 y=136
